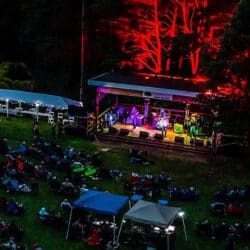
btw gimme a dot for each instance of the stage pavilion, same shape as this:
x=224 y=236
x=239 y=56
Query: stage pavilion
x=152 y=109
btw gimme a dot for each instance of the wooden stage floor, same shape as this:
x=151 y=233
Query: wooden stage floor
x=170 y=137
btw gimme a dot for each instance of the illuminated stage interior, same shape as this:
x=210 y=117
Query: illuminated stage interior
x=169 y=138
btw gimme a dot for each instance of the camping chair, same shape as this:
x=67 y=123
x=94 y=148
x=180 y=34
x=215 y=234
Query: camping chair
x=51 y=119
x=89 y=170
x=71 y=119
x=94 y=240
x=59 y=117
x=78 y=167
x=10 y=160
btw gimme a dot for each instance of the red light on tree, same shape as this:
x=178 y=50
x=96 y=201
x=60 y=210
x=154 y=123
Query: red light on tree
x=160 y=36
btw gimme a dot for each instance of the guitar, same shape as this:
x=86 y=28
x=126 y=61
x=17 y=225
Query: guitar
x=134 y=115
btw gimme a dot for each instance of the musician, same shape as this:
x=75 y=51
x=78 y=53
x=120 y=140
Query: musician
x=163 y=124
x=107 y=120
x=133 y=114
x=162 y=112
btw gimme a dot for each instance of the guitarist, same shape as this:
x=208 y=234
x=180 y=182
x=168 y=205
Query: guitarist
x=133 y=114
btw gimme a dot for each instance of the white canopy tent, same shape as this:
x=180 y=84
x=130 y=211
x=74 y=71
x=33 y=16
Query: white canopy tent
x=33 y=98
x=146 y=212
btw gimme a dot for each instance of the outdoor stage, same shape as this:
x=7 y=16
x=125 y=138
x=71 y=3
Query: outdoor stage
x=155 y=102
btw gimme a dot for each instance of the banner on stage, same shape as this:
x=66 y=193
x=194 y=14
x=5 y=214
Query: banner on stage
x=159 y=96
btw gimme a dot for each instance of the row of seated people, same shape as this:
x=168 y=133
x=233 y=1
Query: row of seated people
x=145 y=185
x=10 y=230
x=52 y=218
x=150 y=237
x=220 y=208
x=223 y=231
x=183 y=194
x=97 y=233
x=51 y=154
x=148 y=179
x=233 y=194
x=11 y=207
x=11 y=184
x=65 y=187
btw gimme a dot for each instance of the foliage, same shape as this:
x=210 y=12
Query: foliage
x=170 y=37
x=16 y=76
x=231 y=70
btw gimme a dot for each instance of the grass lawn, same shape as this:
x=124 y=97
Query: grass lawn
x=186 y=170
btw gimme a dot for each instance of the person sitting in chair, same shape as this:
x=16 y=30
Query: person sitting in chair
x=14 y=208
x=65 y=205
x=43 y=214
x=67 y=186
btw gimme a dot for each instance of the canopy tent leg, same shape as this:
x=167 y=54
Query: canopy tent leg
x=184 y=228
x=168 y=243
x=70 y=217
x=119 y=232
x=114 y=230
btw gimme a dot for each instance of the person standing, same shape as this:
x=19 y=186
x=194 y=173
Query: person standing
x=163 y=126
x=54 y=132
x=133 y=114
x=36 y=131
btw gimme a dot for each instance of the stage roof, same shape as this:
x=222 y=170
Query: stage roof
x=168 y=85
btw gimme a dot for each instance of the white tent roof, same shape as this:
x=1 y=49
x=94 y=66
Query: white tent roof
x=33 y=97
x=152 y=213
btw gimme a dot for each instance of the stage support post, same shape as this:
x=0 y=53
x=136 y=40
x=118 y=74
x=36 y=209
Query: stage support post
x=181 y=214
x=37 y=112
x=146 y=109
x=187 y=110
x=116 y=100
x=70 y=218
x=120 y=229
x=114 y=225
x=7 y=108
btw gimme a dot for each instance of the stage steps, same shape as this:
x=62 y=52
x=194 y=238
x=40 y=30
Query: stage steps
x=150 y=142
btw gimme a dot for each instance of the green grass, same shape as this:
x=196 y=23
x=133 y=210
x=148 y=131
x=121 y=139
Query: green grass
x=186 y=170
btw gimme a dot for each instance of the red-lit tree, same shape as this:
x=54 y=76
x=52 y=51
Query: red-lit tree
x=141 y=36
x=232 y=74
x=150 y=33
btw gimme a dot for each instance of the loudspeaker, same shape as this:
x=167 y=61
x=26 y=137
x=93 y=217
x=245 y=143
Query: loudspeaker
x=199 y=143
x=144 y=134
x=113 y=131
x=158 y=136
x=179 y=139
x=123 y=132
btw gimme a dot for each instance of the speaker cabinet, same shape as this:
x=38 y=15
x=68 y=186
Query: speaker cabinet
x=179 y=139
x=199 y=143
x=158 y=136
x=123 y=132
x=113 y=131
x=144 y=134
